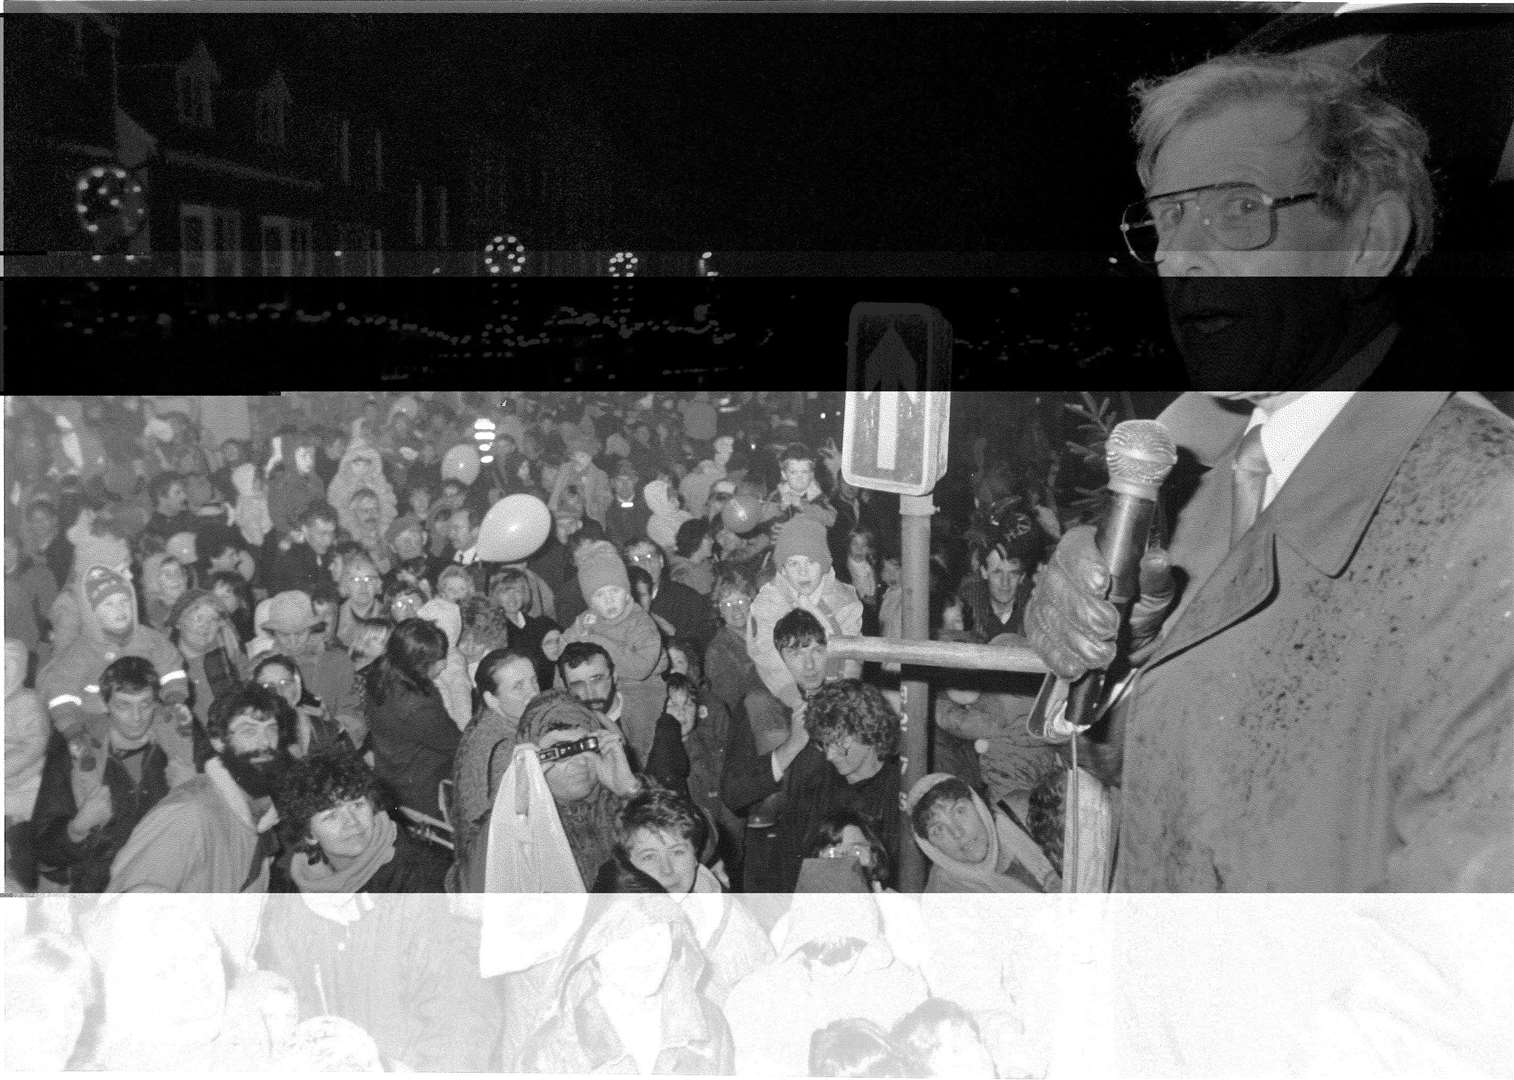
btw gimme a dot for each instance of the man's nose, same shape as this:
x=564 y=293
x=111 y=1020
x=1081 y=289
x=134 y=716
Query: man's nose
x=1187 y=250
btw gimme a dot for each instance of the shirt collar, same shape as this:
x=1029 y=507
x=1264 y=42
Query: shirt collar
x=1289 y=433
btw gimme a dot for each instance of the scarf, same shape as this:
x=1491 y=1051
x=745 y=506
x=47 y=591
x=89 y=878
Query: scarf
x=334 y=894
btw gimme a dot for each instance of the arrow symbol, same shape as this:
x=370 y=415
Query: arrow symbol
x=889 y=365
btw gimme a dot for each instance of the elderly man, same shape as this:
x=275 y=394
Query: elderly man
x=1323 y=689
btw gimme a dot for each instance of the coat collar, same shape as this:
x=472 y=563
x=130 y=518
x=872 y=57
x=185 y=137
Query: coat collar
x=1323 y=509
x=1320 y=513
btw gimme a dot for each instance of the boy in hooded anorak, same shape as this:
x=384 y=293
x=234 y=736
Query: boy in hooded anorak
x=70 y=683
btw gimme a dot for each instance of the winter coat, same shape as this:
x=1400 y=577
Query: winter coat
x=687 y=611
x=201 y=838
x=413 y=740
x=662 y=527
x=773 y=1010
x=29 y=596
x=728 y=669
x=1012 y=761
x=834 y=604
x=483 y=755
x=26 y=736
x=453 y=683
x=85 y=864
x=635 y=647
x=70 y=683
x=1328 y=706
x=405 y=970
x=578 y=1037
x=1013 y=864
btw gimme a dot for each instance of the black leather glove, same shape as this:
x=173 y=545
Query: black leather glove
x=1068 y=620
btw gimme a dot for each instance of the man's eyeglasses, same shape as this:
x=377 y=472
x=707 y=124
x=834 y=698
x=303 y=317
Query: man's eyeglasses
x=1240 y=217
x=276 y=684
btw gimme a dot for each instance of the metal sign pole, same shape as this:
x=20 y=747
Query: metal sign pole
x=914 y=524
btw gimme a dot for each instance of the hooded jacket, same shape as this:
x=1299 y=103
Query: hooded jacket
x=662 y=527
x=251 y=515
x=772 y=1009
x=1012 y=862
x=405 y=970
x=70 y=683
x=578 y=1036
x=345 y=484
x=453 y=683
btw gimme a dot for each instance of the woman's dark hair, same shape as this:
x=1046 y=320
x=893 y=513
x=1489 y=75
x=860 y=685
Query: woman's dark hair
x=317 y=783
x=483 y=676
x=252 y=698
x=661 y=811
x=951 y=790
x=854 y=1047
x=828 y=830
x=690 y=535
x=288 y=663
x=617 y=875
x=413 y=647
x=690 y=649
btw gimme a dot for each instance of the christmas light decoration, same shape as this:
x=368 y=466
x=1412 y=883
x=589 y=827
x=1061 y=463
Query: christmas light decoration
x=505 y=254
x=109 y=203
x=624 y=264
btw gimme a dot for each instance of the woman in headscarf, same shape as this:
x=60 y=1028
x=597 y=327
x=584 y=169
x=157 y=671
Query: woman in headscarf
x=973 y=848
x=589 y=787
x=626 y=998
x=401 y=967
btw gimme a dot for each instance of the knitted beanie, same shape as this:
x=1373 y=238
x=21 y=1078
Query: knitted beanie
x=101 y=583
x=599 y=564
x=802 y=535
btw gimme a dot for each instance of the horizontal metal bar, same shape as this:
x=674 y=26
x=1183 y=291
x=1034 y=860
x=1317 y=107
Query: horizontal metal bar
x=941 y=654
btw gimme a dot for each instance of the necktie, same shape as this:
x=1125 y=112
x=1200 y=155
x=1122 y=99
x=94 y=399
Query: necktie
x=1250 y=472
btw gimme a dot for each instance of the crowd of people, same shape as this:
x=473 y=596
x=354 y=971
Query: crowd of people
x=302 y=666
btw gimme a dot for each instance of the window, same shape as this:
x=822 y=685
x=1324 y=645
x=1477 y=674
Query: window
x=420 y=216
x=195 y=258
x=302 y=248
x=378 y=160
x=228 y=243
x=210 y=241
x=441 y=219
x=194 y=100
x=286 y=249
x=194 y=84
x=271 y=109
x=375 y=254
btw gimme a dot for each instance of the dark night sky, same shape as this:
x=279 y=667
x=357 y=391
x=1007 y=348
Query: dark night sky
x=814 y=132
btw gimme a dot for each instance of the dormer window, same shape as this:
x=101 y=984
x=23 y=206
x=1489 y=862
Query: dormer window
x=195 y=83
x=272 y=108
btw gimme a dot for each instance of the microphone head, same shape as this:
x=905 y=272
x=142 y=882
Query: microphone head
x=1140 y=454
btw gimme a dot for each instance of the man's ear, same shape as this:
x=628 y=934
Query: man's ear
x=1382 y=235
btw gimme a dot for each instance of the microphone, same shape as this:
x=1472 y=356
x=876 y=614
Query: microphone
x=1139 y=454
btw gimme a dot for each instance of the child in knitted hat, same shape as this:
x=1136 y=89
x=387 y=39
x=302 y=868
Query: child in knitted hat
x=613 y=621
x=806 y=580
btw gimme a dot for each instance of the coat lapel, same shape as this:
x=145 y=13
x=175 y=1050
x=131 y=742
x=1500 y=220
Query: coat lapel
x=1320 y=513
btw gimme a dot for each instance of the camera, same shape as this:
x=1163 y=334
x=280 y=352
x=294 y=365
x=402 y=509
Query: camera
x=568 y=749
